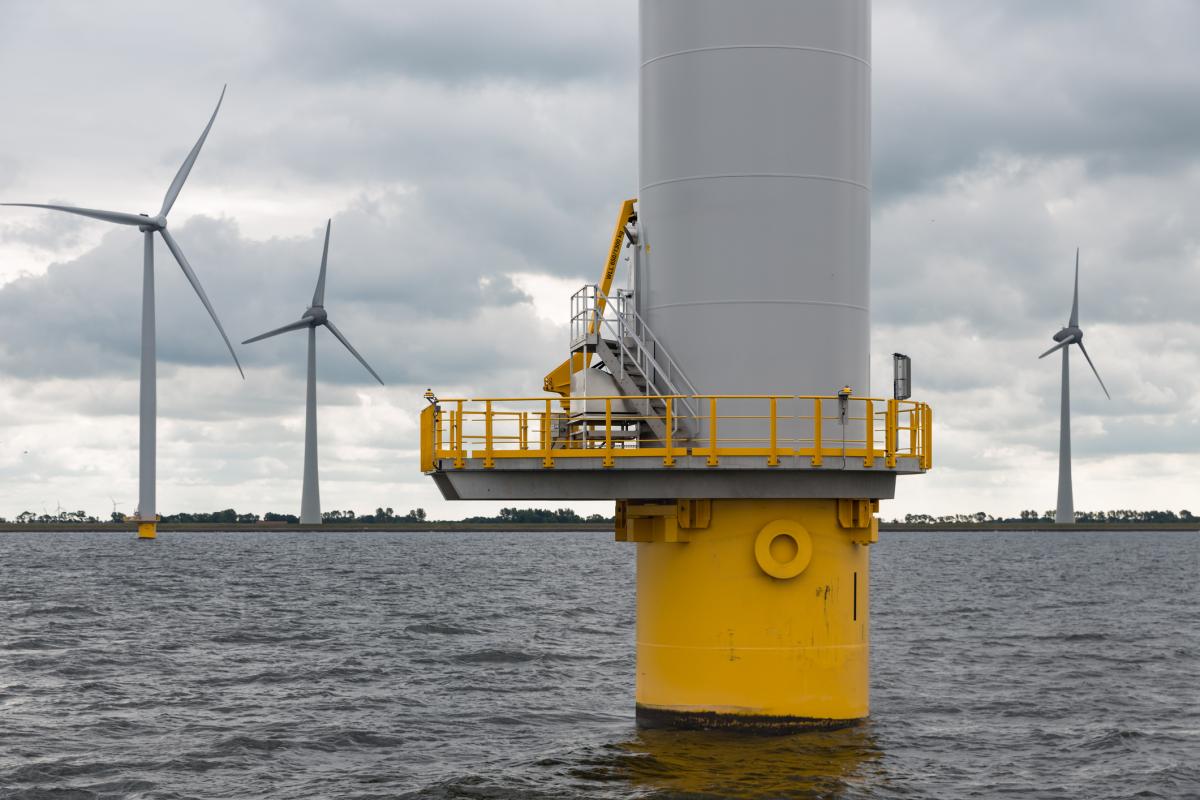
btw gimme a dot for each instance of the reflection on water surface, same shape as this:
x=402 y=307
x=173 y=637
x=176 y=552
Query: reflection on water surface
x=812 y=763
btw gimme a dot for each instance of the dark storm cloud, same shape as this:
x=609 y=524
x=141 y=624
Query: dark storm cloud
x=452 y=42
x=505 y=164
x=1111 y=82
x=499 y=108
x=994 y=249
x=415 y=319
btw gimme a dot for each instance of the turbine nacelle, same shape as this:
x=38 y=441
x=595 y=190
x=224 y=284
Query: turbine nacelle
x=152 y=224
x=1074 y=333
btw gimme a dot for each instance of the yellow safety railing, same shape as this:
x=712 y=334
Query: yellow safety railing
x=783 y=430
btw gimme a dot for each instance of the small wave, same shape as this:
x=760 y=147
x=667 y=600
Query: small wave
x=587 y=630
x=356 y=738
x=505 y=721
x=98 y=686
x=38 y=643
x=241 y=743
x=475 y=786
x=91 y=669
x=496 y=657
x=568 y=657
x=445 y=630
x=259 y=637
x=55 y=771
x=58 y=610
x=1112 y=739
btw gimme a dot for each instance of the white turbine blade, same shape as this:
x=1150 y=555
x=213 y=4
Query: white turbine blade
x=1093 y=366
x=173 y=246
x=333 y=329
x=294 y=326
x=186 y=168
x=319 y=294
x=1074 y=323
x=1058 y=346
x=95 y=213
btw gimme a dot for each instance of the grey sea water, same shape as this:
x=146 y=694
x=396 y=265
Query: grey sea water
x=501 y=665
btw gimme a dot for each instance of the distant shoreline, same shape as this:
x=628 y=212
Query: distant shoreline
x=1038 y=527
x=555 y=527
x=332 y=527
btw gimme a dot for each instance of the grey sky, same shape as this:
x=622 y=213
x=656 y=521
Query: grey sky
x=472 y=156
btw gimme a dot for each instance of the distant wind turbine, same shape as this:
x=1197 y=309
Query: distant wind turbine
x=1071 y=334
x=147 y=514
x=314 y=317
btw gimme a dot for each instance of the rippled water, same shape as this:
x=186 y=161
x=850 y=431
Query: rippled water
x=501 y=665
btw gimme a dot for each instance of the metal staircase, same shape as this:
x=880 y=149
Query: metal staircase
x=612 y=329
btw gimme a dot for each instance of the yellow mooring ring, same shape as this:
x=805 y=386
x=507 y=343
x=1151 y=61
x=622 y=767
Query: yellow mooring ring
x=800 y=538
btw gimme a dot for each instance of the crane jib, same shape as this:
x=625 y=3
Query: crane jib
x=559 y=379
x=614 y=252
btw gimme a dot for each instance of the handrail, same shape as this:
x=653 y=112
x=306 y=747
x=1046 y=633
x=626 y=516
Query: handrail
x=623 y=312
x=903 y=406
x=588 y=318
x=793 y=431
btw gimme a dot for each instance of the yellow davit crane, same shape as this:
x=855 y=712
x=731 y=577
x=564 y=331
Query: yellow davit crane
x=559 y=379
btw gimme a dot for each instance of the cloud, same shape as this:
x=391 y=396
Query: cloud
x=388 y=282
x=996 y=246
x=1111 y=84
x=472 y=156
x=45 y=231
x=452 y=43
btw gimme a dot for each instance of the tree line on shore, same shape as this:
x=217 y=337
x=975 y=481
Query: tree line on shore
x=567 y=516
x=1121 y=515
x=382 y=516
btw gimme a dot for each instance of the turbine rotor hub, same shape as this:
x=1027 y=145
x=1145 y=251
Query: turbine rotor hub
x=1069 y=332
x=155 y=223
x=316 y=314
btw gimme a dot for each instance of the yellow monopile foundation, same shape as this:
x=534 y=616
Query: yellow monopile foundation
x=758 y=619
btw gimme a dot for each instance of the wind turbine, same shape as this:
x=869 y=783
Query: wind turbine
x=314 y=317
x=147 y=515
x=1069 y=335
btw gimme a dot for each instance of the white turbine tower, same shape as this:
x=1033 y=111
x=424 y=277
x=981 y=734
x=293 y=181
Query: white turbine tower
x=147 y=514
x=312 y=318
x=1071 y=334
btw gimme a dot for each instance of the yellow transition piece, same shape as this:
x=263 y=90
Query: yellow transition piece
x=147 y=530
x=751 y=613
